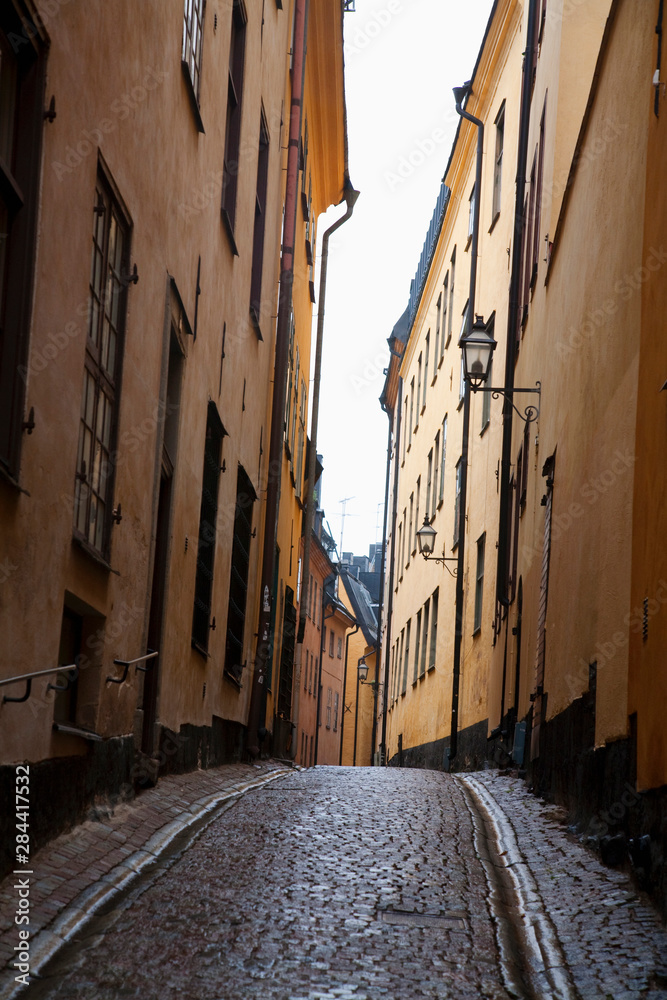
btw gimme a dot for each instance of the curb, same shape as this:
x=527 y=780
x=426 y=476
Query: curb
x=50 y=940
x=543 y=958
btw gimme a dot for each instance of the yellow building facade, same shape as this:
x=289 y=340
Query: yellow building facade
x=565 y=677
x=139 y=335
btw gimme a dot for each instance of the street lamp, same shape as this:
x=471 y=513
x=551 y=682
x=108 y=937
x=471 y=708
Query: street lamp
x=478 y=346
x=426 y=543
x=362 y=670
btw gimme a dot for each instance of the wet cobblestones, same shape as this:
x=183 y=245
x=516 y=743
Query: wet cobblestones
x=327 y=884
x=612 y=938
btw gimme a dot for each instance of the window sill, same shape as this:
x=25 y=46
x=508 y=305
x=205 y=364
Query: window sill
x=415 y=682
x=493 y=223
x=460 y=402
x=447 y=342
x=440 y=502
x=234 y=681
x=194 y=103
x=431 y=668
x=199 y=649
x=10 y=480
x=254 y=319
x=421 y=412
x=92 y=553
x=477 y=631
x=481 y=433
x=435 y=376
x=227 y=224
x=468 y=242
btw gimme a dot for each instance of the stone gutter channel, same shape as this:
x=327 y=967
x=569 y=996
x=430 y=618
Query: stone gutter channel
x=162 y=848
x=532 y=961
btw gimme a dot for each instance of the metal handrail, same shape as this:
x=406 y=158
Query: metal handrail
x=129 y=663
x=28 y=678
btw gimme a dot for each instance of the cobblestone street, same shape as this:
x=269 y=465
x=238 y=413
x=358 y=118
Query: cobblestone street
x=361 y=884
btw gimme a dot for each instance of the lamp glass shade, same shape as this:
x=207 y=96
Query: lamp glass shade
x=426 y=538
x=478 y=347
x=362 y=669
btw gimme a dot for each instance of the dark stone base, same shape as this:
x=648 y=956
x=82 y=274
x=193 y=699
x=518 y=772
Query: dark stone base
x=471 y=755
x=63 y=790
x=597 y=787
x=197 y=747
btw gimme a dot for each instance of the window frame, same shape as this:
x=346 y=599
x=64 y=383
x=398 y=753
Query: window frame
x=191 y=54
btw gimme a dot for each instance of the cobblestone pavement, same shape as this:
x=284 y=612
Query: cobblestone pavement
x=613 y=941
x=344 y=884
x=338 y=884
x=74 y=872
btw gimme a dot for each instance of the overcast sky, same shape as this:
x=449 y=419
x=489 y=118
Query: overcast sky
x=402 y=58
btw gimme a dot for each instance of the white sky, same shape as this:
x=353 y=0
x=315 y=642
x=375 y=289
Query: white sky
x=402 y=58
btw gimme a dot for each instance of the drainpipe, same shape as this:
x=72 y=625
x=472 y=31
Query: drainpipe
x=390 y=602
x=342 y=717
x=502 y=572
x=257 y=710
x=349 y=196
x=460 y=93
x=329 y=579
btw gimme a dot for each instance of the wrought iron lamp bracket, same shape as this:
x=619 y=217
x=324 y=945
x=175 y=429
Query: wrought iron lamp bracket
x=530 y=414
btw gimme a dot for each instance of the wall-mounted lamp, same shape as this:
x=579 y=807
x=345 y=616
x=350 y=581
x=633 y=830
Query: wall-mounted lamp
x=426 y=543
x=478 y=346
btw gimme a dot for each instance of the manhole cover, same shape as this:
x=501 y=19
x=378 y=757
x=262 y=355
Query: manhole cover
x=452 y=920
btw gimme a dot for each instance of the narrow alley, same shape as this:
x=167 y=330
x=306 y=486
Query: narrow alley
x=351 y=884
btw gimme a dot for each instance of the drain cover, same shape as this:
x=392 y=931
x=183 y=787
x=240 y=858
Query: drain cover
x=452 y=920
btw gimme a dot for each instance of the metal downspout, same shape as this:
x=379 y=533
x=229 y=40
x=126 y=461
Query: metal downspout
x=329 y=579
x=459 y=94
x=390 y=603
x=349 y=196
x=342 y=717
x=257 y=708
x=502 y=571
x=378 y=656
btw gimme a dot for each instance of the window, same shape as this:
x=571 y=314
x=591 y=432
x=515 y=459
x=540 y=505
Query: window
x=471 y=215
x=233 y=126
x=434 y=628
x=417 y=525
x=436 y=472
x=445 y=319
x=405 y=424
x=336 y=708
x=303 y=412
x=399 y=665
x=400 y=555
x=406 y=539
x=310 y=596
x=339 y=650
x=452 y=274
x=315 y=676
x=201 y=615
x=324 y=637
x=479 y=582
x=193 y=25
x=238 y=580
x=101 y=378
x=537 y=211
x=418 y=633
x=422 y=663
x=260 y=224
x=498 y=164
x=305 y=674
x=412 y=407
x=442 y=460
x=419 y=390
x=457 y=500
x=331 y=642
x=329 y=707
x=427 y=508
x=438 y=317
x=426 y=351
x=407 y=658
x=22 y=68
x=412 y=504
x=462 y=381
